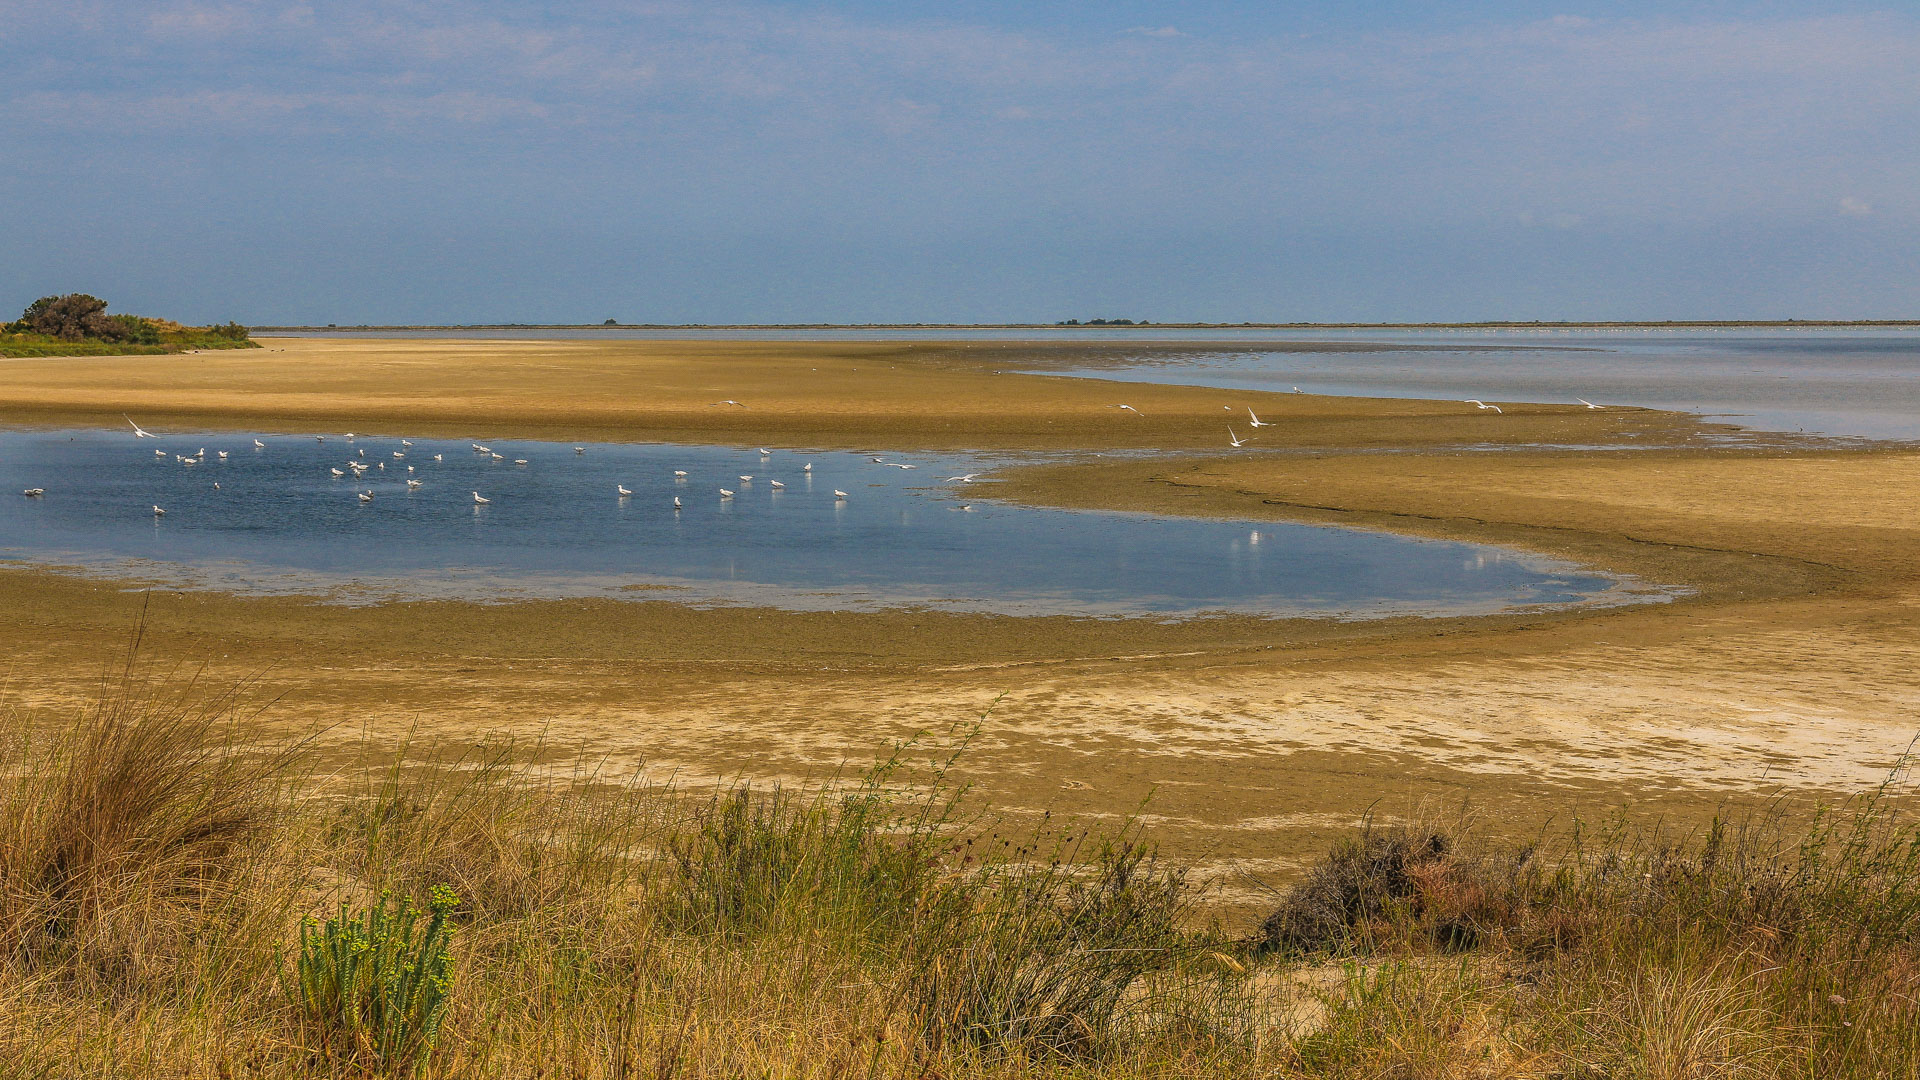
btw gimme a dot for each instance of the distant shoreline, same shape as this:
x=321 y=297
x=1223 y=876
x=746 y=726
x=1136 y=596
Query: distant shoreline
x=1691 y=324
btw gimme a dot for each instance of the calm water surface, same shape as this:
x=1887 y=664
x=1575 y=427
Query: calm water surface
x=278 y=521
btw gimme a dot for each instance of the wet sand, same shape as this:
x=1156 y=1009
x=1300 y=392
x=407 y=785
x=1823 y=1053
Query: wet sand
x=1789 y=666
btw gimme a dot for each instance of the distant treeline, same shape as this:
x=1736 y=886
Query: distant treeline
x=78 y=325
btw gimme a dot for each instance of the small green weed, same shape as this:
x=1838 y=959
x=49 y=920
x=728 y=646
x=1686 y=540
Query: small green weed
x=372 y=994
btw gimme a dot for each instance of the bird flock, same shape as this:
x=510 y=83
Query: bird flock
x=358 y=466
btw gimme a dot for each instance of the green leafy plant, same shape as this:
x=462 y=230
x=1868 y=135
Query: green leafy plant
x=373 y=986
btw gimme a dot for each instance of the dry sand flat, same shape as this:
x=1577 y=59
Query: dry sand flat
x=1792 y=664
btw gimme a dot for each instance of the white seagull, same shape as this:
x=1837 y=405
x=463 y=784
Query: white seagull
x=319 y=438
x=967 y=479
x=1297 y=390
x=1588 y=404
x=406 y=442
x=808 y=467
x=897 y=465
x=258 y=445
x=412 y=484
x=366 y=496
x=579 y=449
x=676 y=502
x=1235 y=440
x=336 y=472
x=159 y=453
x=1478 y=404
x=34 y=493
x=436 y=457
x=222 y=453
x=679 y=474
x=621 y=489
x=725 y=494
x=479 y=500
x=729 y=401
x=496 y=457
x=838 y=494
x=157 y=512
x=745 y=479
x=1128 y=408
x=1257 y=422
x=519 y=461
x=399 y=454
x=777 y=485
x=765 y=453
x=137 y=433
x=478 y=449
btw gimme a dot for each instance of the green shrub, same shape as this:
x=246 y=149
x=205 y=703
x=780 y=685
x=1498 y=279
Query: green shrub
x=371 y=994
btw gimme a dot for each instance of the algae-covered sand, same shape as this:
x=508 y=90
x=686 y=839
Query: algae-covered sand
x=1789 y=663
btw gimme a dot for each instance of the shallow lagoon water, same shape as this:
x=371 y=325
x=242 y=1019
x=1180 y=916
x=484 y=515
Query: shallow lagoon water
x=280 y=522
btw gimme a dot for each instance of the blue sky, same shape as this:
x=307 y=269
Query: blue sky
x=975 y=160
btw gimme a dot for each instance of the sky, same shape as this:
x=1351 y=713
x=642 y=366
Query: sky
x=393 y=161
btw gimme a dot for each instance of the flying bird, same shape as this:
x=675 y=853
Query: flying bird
x=967 y=479
x=1588 y=404
x=137 y=432
x=1478 y=404
x=897 y=465
x=729 y=401
x=1235 y=440
x=1128 y=408
x=1257 y=422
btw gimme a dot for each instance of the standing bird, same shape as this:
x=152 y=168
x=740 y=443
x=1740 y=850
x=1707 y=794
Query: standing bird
x=159 y=453
x=258 y=445
x=137 y=433
x=1257 y=422
x=725 y=494
x=479 y=500
x=676 y=502
x=406 y=442
x=745 y=480
x=679 y=474
x=839 y=495
x=621 y=489
x=808 y=467
x=579 y=449
x=765 y=453
x=336 y=472
x=777 y=485
x=157 y=512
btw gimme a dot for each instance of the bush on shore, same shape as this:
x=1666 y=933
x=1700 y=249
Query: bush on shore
x=156 y=872
x=77 y=324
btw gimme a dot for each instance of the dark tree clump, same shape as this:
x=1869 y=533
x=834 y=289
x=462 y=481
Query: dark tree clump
x=73 y=317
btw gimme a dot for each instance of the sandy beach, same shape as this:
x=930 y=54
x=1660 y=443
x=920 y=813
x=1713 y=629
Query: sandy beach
x=1789 y=666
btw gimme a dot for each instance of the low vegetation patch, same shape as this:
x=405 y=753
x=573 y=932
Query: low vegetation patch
x=177 y=902
x=78 y=325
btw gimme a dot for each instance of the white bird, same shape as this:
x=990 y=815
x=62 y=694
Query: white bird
x=622 y=489
x=1257 y=422
x=1128 y=408
x=216 y=485
x=679 y=474
x=838 y=494
x=745 y=479
x=1235 y=440
x=137 y=433
x=398 y=454
x=336 y=472
x=222 y=453
x=382 y=466
x=436 y=457
x=319 y=438
x=412 y=484
x=478 y=449
x=349 y=436
x=519 y=461
x=725 y=494
x=366 y=496
x=965 y=508
x=157 y=512
x=1588 y=404
x=967 y=479
x=676 y=502
x=34 y=493
x=479 y=500
x=808 y=467
x=258 y=445
x=159 y=453
x=409 y=468
x=579 y=449
x=777 y=485
x=406 y=442
x=765 y=453
x=729 y=401
x=897 y=465
x=878 y=461
x=189 y=461
x=1297 y=390
x=201 y=453
x=496 y=457
x=362 y=453
x=1478 y=404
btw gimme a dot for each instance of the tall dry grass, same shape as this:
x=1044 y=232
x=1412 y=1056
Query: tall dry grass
x=155 y=868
